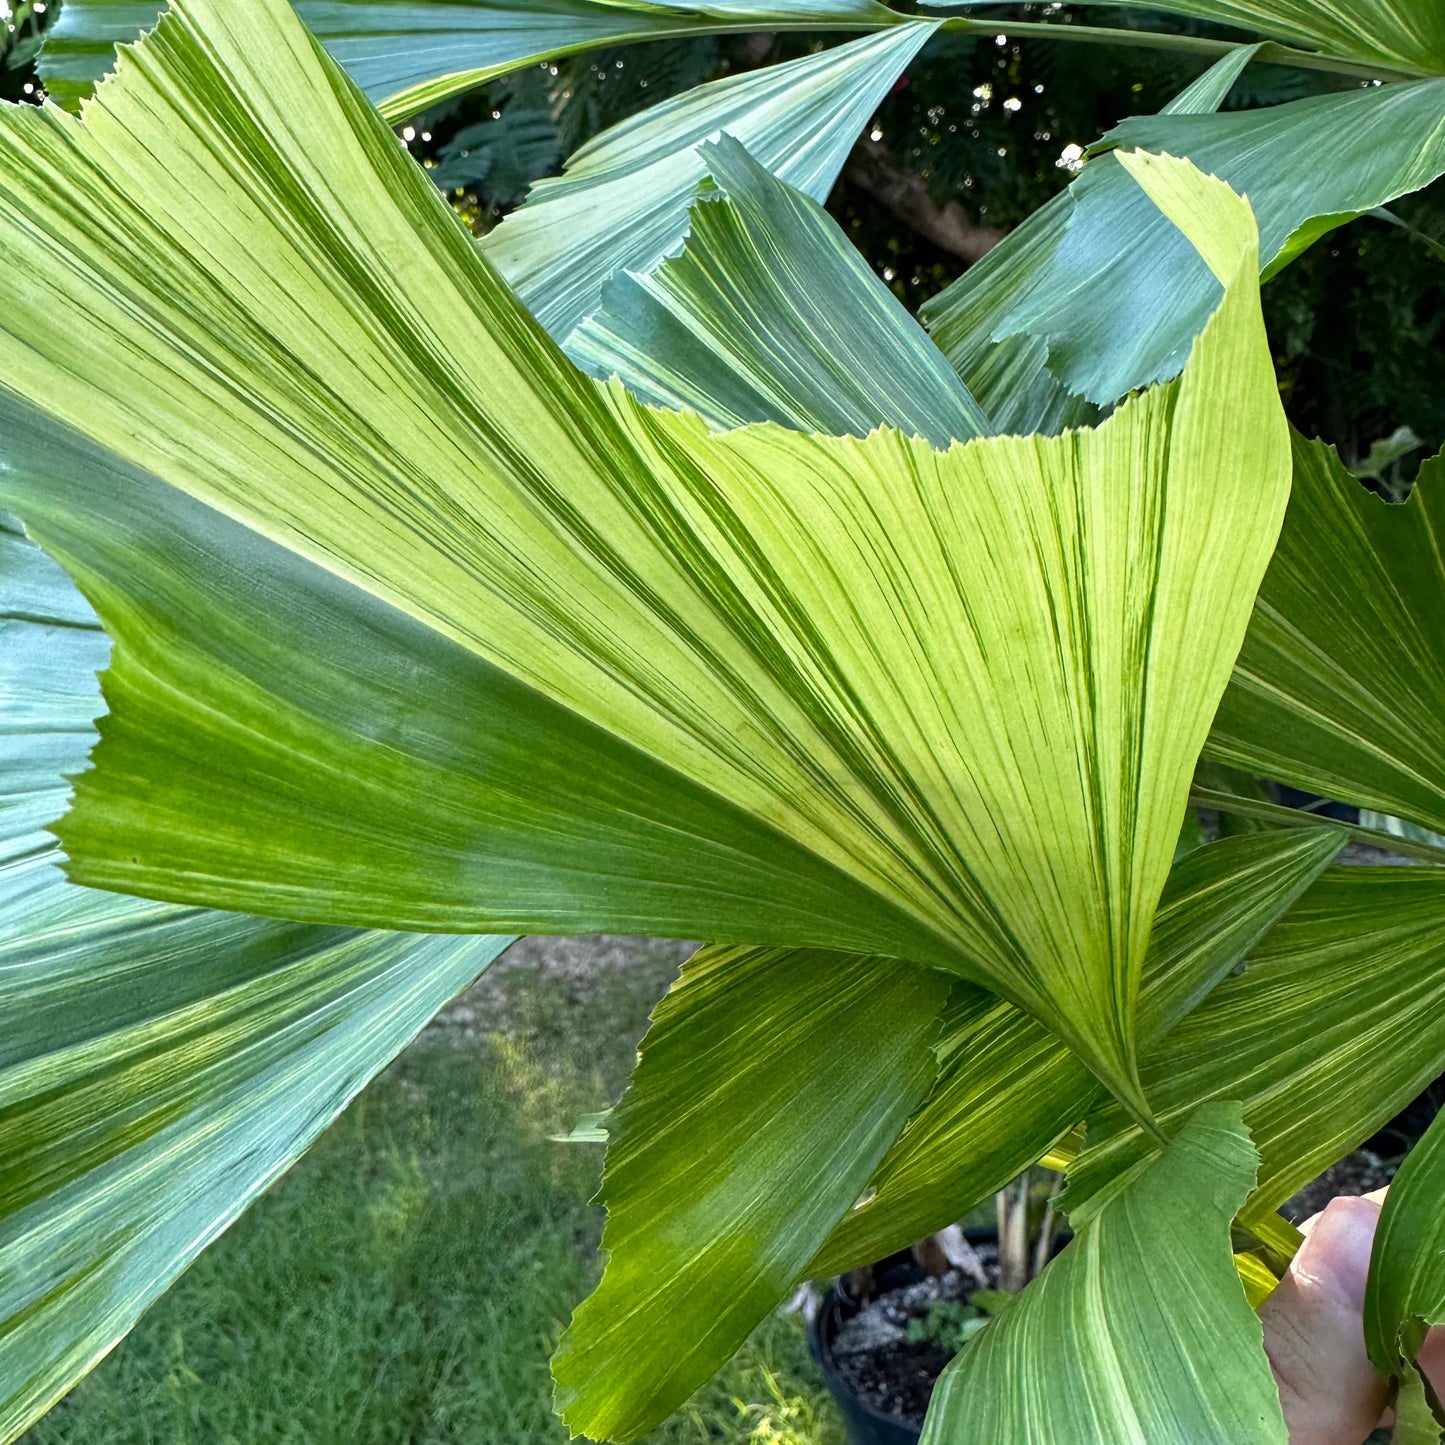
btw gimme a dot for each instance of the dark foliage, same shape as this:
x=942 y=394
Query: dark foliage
x=22 y=28
x=1358 y=325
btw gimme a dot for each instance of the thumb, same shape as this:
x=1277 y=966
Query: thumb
x=1314 y=1333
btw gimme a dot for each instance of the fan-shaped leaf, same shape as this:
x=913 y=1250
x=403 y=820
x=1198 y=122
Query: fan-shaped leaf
x=1403 y=35
x=774 y=1079
x=1007 y=1090
x=621 y=203
x=1336 y=1023
x=159 y=1066
x=1340 y=688
x=1405 y=1294
x=1010 y=377
x=1114 y=296
x=417 y=626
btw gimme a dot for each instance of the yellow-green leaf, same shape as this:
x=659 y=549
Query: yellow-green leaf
x=1139 y=1333
x=911 y=678
x=1337 y=1022
x=1007 y=1089
x=767 y=1088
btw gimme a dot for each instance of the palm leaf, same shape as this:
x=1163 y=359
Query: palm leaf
x=771 y=314
x=161 y=1066
x=1405 y=1294
x=1142 y=1315
x=408 y=55
x=1335 y=1025
x=554 y=661
x=1111 y=296
x=767 y=1088
x=1340 y=688
x=622 y=200
x=770 y=1085
x=1403 y=35
x=1007 y=1090
x=1010 y=376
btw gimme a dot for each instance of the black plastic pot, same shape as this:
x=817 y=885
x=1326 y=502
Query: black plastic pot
x=865 y=1425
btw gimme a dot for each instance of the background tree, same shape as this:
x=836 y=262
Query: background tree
x=22 y=27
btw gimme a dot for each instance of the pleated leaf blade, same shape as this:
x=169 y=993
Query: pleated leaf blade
x=1401 y=35
x=1334 y=1025
x=1011 y=376
x=160 y=1066
x=773 y=1080
x=622 y=201
x=408 y=55
x=1405 y=1293
x=767 y=1088
x=1007 y=1089
x=1139 y=1332
x=1097 y=289
x=783 y=654
x=1340 y=686
x=771 y=314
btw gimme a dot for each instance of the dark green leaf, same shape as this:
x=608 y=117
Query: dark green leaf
x=1115 y=299
x=1406 y=1292
x=1010 y=377
x=622 y=201
x=1406 y=35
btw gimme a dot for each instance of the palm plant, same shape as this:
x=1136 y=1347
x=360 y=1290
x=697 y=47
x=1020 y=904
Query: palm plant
x=797 y=629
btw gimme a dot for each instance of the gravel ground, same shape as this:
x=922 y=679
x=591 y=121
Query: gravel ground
x=1357 y=1173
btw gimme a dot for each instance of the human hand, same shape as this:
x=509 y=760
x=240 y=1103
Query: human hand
x=1314 y=1330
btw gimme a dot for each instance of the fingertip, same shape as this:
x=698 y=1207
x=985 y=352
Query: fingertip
x=1335 y=1256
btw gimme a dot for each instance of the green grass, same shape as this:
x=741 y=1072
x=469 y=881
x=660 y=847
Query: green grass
x=407 y=1280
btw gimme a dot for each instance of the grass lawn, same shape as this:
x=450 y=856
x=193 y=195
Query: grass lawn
x=407 y=1280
